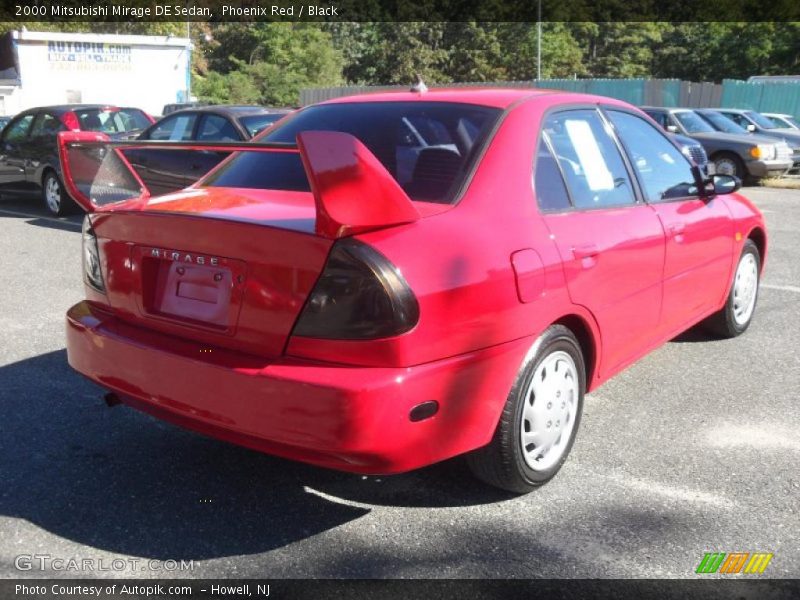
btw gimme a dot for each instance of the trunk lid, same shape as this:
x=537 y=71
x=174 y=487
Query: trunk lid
x=239 y=285
x=226 y=266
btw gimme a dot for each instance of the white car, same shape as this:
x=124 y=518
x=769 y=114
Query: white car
x=783 y=121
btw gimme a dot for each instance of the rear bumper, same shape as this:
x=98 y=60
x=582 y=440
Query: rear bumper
x=349 y=418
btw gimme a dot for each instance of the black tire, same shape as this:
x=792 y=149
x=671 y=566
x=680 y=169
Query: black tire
x=62 y=205
x=502 y=463
x=724 y=323
x=731 y=165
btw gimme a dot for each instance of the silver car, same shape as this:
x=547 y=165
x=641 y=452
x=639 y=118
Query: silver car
x=759 y=124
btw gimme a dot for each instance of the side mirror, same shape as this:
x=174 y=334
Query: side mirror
x=719 y=185
x=751 y=128
x=672 y=128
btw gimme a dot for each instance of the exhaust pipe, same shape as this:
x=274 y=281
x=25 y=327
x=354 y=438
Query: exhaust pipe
x=112 y=399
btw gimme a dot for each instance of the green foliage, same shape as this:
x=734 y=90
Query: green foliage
x=269 y=63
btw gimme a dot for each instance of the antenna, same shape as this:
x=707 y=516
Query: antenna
x=420 y=86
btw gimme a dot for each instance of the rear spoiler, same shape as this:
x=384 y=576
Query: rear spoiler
x=353 y=192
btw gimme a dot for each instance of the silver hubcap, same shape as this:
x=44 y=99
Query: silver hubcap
x=725 y=166
x=745 y=288
x=52 y=193
x=548 y=417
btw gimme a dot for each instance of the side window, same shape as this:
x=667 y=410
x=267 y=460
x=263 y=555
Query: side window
x=665 y=173
x=46 y=125
x=177 y=128
x=215 y=128
x=659 y=118
x=589 y=158
x=17 y=130
x=738 y=119
x=551 y=192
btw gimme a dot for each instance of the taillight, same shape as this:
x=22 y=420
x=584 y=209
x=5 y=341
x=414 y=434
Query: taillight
x=360 y=295
x=91 y=257
x=70 y=121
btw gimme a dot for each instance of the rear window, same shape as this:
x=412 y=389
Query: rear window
x=257 y=123
x=112 y=121
x=428 y=147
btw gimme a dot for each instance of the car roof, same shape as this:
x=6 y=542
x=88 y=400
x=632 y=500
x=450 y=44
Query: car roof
x=62 y=108
x=494 y=97
x=784 y=115
x=232 y=110
x=668 y=108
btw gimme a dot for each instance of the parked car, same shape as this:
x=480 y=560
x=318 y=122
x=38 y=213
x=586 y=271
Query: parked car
x=694 y=151
x=783 y=121
x=299 y=301
x=29 y=162
x=176 y=106
x=167 y=170
x=757 y=123
x=727 y=125
x=739 y=155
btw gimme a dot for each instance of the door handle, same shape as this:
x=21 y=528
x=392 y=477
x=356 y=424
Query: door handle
x=588 y=251
x=677 y=228
x=676 y=231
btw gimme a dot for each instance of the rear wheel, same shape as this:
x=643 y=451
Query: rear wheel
x=540 y=418
x=56 y=199
x=736 y=315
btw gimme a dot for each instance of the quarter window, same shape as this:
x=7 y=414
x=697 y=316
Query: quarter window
x=589 y=158
x=551 y=192
x=663 y=170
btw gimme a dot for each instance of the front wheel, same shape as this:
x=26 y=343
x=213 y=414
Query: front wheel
x=729 y=164
x=540 y=418
x=56 y=199
x=736 y=315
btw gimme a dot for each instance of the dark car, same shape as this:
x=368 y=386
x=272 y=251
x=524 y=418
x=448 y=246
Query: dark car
x=741 y=155
x=167 y=170
x=29 y=154
x=176 y=106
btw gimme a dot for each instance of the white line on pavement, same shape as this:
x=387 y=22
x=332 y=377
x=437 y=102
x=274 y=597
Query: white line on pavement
x=785 y=288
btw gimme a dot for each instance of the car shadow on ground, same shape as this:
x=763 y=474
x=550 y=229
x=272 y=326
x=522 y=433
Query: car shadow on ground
x=697 y=334
x=33 y=213
x=123 y=482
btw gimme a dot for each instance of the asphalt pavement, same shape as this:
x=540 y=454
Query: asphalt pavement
x=694 y=449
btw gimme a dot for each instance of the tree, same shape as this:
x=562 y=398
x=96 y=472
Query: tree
x=275 y=61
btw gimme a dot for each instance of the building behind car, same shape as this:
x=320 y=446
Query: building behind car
x=44 y=68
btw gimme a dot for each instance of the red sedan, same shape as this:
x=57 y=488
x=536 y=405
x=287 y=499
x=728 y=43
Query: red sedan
x=386 y=281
